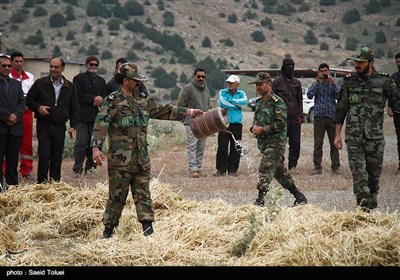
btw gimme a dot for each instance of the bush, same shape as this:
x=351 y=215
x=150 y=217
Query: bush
x=39 y=12
x=380 y=37
x=351 y=44
x=324 y=47
x=351 y=16
x=106 y=55
x=232 y=18
x=258 y=36
x=310 y=38
x=93 y=50
x=168 y=19
x=206 y=43
x=134 y=8
x=57 y=20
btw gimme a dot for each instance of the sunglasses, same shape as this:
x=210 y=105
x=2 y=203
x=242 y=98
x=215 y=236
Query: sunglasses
x=200 y=77
x=94 y=64
x=6 y=65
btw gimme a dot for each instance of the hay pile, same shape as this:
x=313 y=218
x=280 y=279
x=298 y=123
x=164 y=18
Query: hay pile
x=59 y=225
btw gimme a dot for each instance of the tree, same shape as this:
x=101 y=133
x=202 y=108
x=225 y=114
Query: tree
x=57 y=20
x=372 y=7
x=206 y=43
x=169 y=19
x=93 y=50
x=39 y=12
x=70 y=13
x=258 y=36
x=56 y=51
x=351 y=44
x=324 y=47
x=380 y=37
x=310 y=38
x=232 y=18
x=134 y=8
x=351 y=16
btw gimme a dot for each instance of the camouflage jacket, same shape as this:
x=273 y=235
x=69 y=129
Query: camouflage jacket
x=271 y=114
x=362 y=103
x=125 y=119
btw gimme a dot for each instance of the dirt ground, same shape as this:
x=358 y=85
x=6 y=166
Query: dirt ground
x=328 y=190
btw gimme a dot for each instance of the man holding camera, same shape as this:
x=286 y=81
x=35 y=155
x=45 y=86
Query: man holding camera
x=325 y=91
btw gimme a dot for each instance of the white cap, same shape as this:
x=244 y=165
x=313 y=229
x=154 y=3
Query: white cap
x=233 y=79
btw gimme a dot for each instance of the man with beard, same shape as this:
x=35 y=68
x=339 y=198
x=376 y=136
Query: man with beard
x=290 y=90
x=362 y=100
x=392 y=112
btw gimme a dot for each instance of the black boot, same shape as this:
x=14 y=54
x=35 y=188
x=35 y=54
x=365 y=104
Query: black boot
x=108 y=232
x=300 y=198
x=260 y=199
x=147 y=228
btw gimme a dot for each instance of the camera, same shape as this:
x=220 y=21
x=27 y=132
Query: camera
x=325 y=76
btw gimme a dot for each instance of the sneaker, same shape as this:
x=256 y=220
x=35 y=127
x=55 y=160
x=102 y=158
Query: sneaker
x=201 y=173
x=219 y=174
x=147 y=228
x=194 y=174
x=90 y=171
x=233 y=174
x=108 y=232
x=259 y=202
x=316 y=172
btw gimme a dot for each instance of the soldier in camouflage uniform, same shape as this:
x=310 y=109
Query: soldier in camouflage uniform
x=124 y=117
x=362 y=100
x=269 y=126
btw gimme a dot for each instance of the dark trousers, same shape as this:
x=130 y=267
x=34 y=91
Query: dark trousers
x=322 y=125
x=9 y=150
x=82 y=147
x=51 y=139
x=396 y=121
x=228 y=157
x=293 y=134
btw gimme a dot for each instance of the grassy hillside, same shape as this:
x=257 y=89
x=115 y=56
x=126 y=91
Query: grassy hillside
x=193 y=21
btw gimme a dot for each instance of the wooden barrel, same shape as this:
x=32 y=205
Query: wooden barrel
x=209 y=123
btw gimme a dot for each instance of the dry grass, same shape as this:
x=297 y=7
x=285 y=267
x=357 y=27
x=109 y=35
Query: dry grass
x=208 y=221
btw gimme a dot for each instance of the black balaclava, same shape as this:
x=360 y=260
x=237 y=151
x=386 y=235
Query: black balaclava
x=287 y=68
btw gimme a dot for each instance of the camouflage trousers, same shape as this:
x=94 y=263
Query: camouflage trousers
x=365 y=161
x=119 y=183
x=272 y=166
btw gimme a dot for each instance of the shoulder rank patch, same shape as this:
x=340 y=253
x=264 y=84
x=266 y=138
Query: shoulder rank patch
x=384 y=74
x=144 y=94
x=275 y=98
x=111 y=96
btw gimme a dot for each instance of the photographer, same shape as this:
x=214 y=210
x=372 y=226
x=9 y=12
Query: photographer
x=325 y=90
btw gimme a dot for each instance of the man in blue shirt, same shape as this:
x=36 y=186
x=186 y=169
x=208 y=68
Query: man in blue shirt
x=230 y=99
x=325 y=92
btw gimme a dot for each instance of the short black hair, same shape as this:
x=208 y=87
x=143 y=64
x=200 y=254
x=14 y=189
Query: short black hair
x=120 y=60
x=199 y=69
x=397 y=55
x=16 y=54
x=323 y=65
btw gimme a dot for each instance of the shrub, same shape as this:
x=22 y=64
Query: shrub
x=57 y=20
x=206 y=43
x=39 y=12
x=258 y=36
x=351 y=16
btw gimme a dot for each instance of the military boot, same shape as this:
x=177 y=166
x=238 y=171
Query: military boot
x=260 y=199
x=300 y=198
x=147 y=228
x=108 y=232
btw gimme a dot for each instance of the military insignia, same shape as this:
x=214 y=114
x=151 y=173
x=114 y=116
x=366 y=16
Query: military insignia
x=111 y=97
x=384 y=73
x=278 y=111
x=354 y=97
x=144 y=95
x=274 y=98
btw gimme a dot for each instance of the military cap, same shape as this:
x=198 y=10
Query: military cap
x=262 y=77
x=362 y=54
x=130 y=70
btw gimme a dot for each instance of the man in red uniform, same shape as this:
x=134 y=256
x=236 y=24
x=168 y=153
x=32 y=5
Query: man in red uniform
x=26 y=149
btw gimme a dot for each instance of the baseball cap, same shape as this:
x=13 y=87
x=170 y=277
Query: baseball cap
x=233 y=79
x=362 y=54
x=130 y=70
x=261 y=77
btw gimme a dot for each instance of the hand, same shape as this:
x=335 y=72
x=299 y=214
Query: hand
x=195 y=112
x=338 y=142
x=44 y=110
x=390 y=111
x=257 y=130
x=299 y=119
x=98 y=156
x=97 y=101
x=12 y=119
x=72 y=133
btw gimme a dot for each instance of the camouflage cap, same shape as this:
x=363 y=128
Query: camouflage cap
x=130 y=70
x=362 y=54
x=262 y=77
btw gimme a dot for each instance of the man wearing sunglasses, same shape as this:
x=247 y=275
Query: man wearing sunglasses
x=91 y=89
x=12 y=108
x=195 y=95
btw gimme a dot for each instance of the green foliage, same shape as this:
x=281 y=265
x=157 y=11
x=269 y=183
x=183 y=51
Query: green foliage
x=228 y=42
x=34 y=39
x=29 y=4
x=351 y=44
x=285 y=9
x=232 y=18
x=183 y=78
x=134 y=8
x=168 y=18
x=131 y=55
x=17 y=17
x=258 y=36
x=351 y=16
x=242 y=245
x=206 y=43
x=113 y=24
x=120 y=12
x=274 y=66
x=86 y=28
x=266 y=21
x=56 y=51
x=379 y=53
x=70 y=16
x=310 y=38
x=160 y=5
x=138 y=45
x=380 y=37
x=175 y=93
x=327 y=2
x=334 y=36
x=106 y=55
x=304 y=7
x=96 y=8
x=99 y=33
x=57 y=20
x=372 y=7
x=324 y=47
x=72 y=2
x=365 y=32
x=92 y=50
x=186 y=57
x=385 y=3
x=250 y=15
x=39 y=12
x=70 y=35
